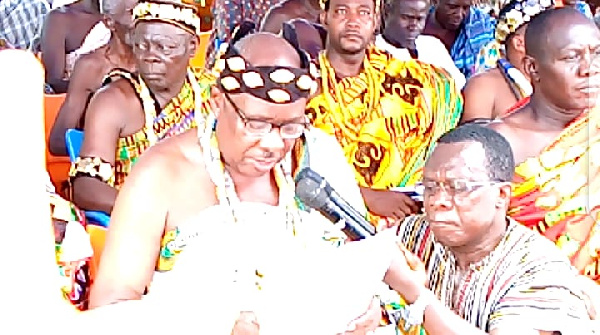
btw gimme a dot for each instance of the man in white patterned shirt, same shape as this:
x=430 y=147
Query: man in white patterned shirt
x=21 y=22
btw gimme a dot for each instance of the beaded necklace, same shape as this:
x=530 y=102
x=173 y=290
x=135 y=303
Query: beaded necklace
x=348 y=88
x=150 y=104
x=519 y=83
x=225 y=187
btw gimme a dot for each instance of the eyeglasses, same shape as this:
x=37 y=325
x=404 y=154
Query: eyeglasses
x=291 y=130
x=458 y=190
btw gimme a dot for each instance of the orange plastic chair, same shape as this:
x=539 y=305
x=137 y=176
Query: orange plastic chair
x=199 y=60
x=57 y=167
x=97 y=238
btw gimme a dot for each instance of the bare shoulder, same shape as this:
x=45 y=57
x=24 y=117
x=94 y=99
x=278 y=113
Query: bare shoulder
x=174 y=156
x=91 y=65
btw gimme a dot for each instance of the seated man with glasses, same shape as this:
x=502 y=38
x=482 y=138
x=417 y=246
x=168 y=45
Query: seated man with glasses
x=209 y=212
x=495 y=274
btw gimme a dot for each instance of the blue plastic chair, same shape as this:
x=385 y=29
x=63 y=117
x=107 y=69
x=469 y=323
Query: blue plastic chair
x=74 y=139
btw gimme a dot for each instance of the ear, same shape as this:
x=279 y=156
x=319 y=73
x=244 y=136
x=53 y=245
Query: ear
x=531 y=68
x=108 y=22
x=193 y=46
x=518 y=42
x=504 y=195
x=323 y=18
x=216 y=100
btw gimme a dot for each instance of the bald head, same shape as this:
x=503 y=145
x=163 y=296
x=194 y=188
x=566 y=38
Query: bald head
x=116 y=7
x=278 y=53
x=545 y=30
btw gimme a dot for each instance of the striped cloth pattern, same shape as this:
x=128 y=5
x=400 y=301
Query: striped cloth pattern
x=524 y=281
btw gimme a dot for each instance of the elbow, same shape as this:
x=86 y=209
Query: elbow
x=56 y=145
x=93 y=195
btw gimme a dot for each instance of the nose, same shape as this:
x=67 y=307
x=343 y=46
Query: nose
x=439 y=199
x=590 y=64
x=272 y=140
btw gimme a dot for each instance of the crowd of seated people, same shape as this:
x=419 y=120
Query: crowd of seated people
x=465 y=137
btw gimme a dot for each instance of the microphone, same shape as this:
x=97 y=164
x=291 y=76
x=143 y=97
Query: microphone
x=315 y=192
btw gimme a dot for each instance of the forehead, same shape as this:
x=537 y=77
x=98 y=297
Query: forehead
x=456 y=160
x=352 y=3
x=254 y=107
x=577 y=35
x=158 y=29
x=462 y=3
x=412 y=5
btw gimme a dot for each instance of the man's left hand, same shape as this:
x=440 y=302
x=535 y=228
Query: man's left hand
x=366 y=323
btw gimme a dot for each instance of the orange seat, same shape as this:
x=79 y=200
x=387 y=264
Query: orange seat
x=97 y=238
x=199 y=60
x=57 y=167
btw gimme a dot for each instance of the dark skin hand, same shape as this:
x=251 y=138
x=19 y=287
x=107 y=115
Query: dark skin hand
x=390 y=204
x=64 y=31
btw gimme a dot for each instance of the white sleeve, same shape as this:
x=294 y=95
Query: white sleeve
x=327 y=159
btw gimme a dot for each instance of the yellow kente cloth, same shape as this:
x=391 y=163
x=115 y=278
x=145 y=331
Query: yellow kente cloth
x=387 y=118
x=558 y=193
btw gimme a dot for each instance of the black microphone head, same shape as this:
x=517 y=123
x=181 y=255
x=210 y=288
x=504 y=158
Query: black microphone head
x=308 y=173
x=311 y=192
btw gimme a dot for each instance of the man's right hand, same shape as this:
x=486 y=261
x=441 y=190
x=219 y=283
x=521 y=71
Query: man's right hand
x=246 y=324
x=390 y=204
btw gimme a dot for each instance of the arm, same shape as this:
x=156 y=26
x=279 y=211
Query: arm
x=103 y=123
x=53 y=51
x=273 y=20
x=439 y=319
x=85 y=80
x=479 y=99
x=133 y=240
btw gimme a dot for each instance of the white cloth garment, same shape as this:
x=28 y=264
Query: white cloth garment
x=431 y=51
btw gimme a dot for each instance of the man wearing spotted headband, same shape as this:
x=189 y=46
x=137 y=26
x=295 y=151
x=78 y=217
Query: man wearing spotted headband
x=491 y=93
x=238 y=167
x=135 y=111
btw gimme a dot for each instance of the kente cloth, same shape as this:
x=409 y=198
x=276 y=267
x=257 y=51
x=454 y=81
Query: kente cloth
x=388 y=118
x=73 y=249
x=557 y=193
x=177 y=117
x=524 y=282
x=477 y=30
x=228 y=14
x=513 y=15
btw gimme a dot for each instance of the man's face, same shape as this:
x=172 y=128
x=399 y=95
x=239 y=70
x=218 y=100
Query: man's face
x=244 y=150
x=407 y=20
x=163 y=52
x=460 y=200
x=350 y=25
x=568 y=73
x=452 y=13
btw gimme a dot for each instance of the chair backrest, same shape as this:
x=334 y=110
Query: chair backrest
x=73 y=139
x=199 y=59
x=57 y=167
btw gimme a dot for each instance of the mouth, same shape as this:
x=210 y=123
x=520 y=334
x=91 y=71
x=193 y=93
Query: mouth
x=153 y=76
x=589 y=89
x=265 y=164
x=352 y=35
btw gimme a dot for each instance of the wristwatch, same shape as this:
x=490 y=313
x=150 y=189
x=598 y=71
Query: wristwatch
x=414 y=314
